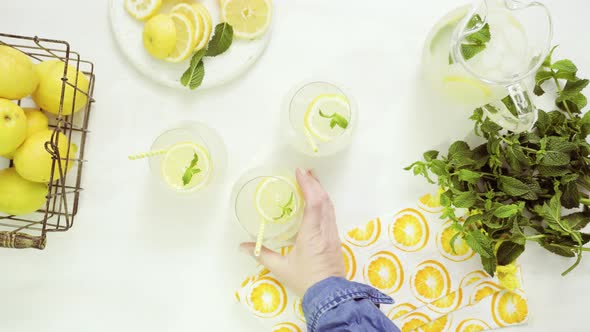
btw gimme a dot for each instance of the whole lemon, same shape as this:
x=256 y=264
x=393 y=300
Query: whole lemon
x=18 y=78
x=33 y=162
x=13 y=126
x=19 y=196
x=48 y=94
x=159 y=36
x=9 y=155
x=36 y=121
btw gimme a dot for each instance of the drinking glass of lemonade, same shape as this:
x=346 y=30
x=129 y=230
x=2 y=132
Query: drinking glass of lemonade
x=268 y=204
x=321 y=118
x=188 y=157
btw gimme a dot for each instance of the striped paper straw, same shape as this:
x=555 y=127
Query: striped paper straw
x=147 y=154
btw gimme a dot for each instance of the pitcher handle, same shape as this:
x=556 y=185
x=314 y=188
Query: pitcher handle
x=526 y=112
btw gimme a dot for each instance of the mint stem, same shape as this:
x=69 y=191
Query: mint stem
x=569 y=247
x=559 y=90
x=535 y=237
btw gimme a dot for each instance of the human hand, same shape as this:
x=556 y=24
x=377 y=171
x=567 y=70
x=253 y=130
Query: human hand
x=317 y=253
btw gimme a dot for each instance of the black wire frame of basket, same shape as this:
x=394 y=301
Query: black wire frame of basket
x=64 y=192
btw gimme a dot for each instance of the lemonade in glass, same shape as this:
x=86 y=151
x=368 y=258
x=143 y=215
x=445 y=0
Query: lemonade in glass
x=321 y=118
x=188 y=157
x=268 y=204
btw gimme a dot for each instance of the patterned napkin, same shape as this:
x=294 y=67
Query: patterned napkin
x=407 y=256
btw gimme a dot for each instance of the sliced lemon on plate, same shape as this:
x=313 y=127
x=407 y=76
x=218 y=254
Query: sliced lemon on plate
x=207 y=26
x=194 y=16
x=277 y=199
x=142 y=9
x=176 y=161
x=185 y=36
x=318 y=121
x=249 y=18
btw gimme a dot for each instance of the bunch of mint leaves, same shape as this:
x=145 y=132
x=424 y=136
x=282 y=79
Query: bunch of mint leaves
x=519 y=187
x=219 y=43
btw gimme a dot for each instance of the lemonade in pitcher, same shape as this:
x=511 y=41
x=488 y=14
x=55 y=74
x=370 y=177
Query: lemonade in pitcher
x=321 y=118
x=268 y=204
x=483 y=55
x=450 y=79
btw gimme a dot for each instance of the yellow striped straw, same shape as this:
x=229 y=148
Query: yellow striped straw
x=310 y=140
x=147 y=154
x=259 y=239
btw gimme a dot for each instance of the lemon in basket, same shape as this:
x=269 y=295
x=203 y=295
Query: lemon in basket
x=33 y=162
x=159 y=36
x=36 y=121
x=48 y=94
x=19 y=196
x=17 y=76
x=13 y=126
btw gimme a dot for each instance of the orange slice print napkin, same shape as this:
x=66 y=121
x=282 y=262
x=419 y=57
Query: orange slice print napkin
x=407 y=256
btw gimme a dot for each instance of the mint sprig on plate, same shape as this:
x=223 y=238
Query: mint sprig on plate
x=219 y=43
x=222 y=39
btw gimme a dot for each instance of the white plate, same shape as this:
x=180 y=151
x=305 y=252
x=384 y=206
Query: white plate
x=219 y=70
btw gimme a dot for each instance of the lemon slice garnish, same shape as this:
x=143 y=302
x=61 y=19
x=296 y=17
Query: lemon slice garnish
x=250 y=19
x=185 y=35
x=178 y=158
x=319 y=127
x=273 y=195
x=142 y=9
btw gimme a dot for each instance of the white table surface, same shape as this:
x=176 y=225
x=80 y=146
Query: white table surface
x=139 y=259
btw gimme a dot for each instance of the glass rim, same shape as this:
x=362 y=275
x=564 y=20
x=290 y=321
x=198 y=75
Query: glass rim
x=184 y=126
x=239 y=188
x=300 y=87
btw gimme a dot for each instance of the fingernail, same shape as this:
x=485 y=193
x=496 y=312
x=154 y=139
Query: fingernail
x=299 y=171
x=246 y=251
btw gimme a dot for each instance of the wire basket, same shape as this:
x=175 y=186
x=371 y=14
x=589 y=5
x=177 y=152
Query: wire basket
x=61 y=205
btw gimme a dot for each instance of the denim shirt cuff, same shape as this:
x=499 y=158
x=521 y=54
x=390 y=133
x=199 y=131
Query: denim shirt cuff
x=333 y=291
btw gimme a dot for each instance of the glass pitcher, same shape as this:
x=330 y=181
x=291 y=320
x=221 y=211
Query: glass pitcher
x=504 y=43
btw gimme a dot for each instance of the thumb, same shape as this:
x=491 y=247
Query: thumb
x=273 y=261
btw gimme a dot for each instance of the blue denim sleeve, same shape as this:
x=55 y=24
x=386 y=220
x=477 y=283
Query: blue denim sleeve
x=336 y=304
